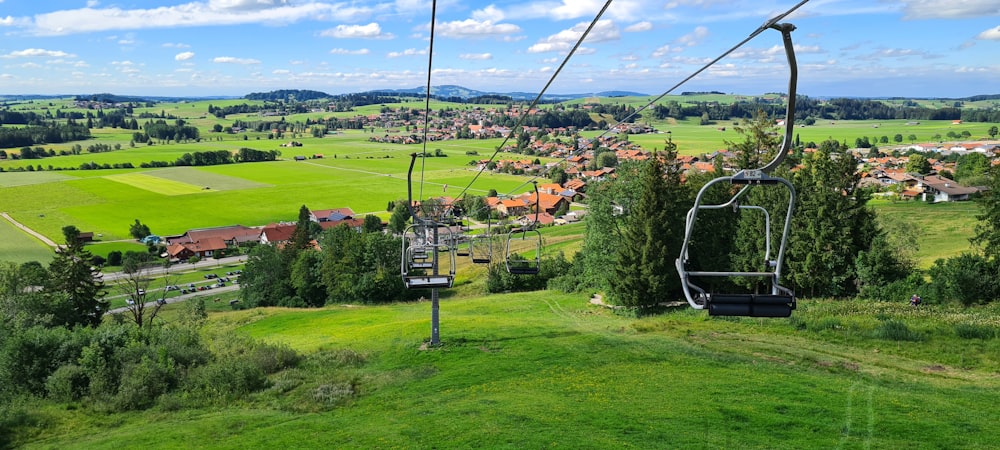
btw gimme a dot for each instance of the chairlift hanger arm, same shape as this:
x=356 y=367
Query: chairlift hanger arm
x=793 y=75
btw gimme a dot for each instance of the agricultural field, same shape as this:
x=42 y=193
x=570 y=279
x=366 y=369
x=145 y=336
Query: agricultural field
x=352 y=172
x=547 y=369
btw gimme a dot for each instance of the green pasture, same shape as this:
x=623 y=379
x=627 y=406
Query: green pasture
x=20 y=247
x=944 y=228
x=545 y=369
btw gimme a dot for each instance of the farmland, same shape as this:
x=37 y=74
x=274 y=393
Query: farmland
x=352 y=172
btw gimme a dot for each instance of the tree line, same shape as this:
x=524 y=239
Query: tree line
x=838 y=246
x=48 y=134
x=810 y=109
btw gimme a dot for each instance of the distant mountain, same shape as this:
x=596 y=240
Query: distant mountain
x=452 y=91
x=288 y=94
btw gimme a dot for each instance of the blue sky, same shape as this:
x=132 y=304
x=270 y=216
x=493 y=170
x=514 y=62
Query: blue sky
x=914 y=48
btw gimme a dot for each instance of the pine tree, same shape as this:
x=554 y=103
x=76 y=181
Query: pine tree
x=988 y=229
x=72 y=274
x=651 y=238
x=831 y=225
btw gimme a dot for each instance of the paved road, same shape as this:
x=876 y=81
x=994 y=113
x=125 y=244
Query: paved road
x=180 y=298
x=183 y=267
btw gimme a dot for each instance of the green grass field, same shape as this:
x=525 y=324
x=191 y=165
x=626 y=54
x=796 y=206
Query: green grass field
x=549 y=370
x=19 y=247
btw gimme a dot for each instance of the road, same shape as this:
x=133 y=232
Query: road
x=205 y=263
x=180 y=298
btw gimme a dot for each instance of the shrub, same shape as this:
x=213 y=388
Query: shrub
x=227 y=379
x=895 y=330
x=972 y=331
x=142 y=383
x=67 y=384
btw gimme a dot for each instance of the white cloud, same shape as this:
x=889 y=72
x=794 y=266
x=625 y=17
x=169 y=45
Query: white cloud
x=488 y=14
x=32 y=52
x=950 y=9
x=234 y=60
x=993 y=34
x=604 y=30
x=183 y=56
x=344 y=51
x=473 y=28
x=281 y=72
x=693 y=38
x=666 y=50
x=407 y=52
x=476 y=56
x=370 y=31
x=7 y=21
x=639 y=26
x=176 y=45
x=192 y=14
x=246 y=5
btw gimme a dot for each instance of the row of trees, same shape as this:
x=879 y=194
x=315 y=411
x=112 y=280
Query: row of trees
x=48 y=134
x=352 y=266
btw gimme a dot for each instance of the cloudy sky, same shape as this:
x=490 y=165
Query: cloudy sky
x=916 y=48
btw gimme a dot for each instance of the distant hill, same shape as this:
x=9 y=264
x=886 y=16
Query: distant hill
x=452 y=91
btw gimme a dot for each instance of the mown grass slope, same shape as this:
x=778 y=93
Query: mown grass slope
x=547 y=369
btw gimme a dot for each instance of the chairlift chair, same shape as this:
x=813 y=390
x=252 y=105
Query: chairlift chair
x=524 y=239
x=481 y=246
x=779 y=301
x=424 y=248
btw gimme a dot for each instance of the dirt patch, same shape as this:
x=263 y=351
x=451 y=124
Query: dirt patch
x=935 y=368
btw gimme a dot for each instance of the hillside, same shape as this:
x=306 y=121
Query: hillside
x=549 y=370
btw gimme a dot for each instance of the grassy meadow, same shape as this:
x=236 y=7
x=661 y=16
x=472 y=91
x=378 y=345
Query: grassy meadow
x=545 y=369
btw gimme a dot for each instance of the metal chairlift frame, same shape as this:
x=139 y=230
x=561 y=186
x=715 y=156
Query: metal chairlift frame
x=526 y=266
x=426 y=242
x=780 y=301
x=486 y=238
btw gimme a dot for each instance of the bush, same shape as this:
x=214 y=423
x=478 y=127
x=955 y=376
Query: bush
x=142 y=383
x=67 y=384
x=971 y=331
x=968 y=279
x=227 y=379
x=894 y=330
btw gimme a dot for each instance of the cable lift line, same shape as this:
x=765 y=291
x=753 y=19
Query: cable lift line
x=529 y=234
x=524 y=114
x=779 y=301
x=767 y=25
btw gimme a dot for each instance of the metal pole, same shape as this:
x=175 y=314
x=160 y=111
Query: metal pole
x=435 y=331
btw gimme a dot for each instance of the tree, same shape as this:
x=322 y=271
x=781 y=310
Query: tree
x=400 y=216
x=651 y=237
x=993 y=132
x=987 y=236
x=135 y=285
x=306 y=279
x=558 y=175
x=971 y=165
x=138 y=230
x=831 y=225
x=265 y=278
x=372 y=224
x=71 y=273
x=897 y=138
x=918 y=164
